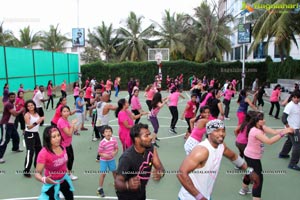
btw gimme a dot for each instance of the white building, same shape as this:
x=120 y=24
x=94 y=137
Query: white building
x=233 y=7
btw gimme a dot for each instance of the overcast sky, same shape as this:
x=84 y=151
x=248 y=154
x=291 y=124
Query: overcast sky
x=39 y=14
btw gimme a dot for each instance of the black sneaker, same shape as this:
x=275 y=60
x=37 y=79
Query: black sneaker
x=157 y=139
x=18 y=151
x=283 y=156
x=101 y=192
x=294 y=167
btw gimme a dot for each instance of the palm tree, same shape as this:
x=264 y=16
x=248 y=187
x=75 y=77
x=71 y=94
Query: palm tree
x=171 y=34
x=209 y=32
x=105 y=38
x=53 y=40
x=133 y=41
x=6 y=36
x=27 y=40
x=283 y=26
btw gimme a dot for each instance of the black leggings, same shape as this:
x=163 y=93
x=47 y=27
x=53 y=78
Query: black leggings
x=20 y=118
x=136 y=112
x=277 y=108
x=174 y=113
x=149 y=104
x=256 y=165
x=70 y=154
x=64 y=188
x=50 y=99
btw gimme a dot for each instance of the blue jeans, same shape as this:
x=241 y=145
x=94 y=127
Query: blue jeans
x=117 y=91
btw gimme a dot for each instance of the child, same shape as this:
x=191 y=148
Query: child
x=108 y=149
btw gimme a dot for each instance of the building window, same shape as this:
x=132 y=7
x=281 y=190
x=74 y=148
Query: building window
x=276 y=52
x=261 y=51
x=237 y=53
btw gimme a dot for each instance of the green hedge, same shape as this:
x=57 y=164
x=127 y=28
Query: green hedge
x=267 y=71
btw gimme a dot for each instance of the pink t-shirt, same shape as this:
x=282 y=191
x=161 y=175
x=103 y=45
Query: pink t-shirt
x=49 y=90
x=173 y=98
x=88 y=92
x=108 y=85
x=203 y=103
x=242 y=136
x=63 y=87
x=254 y=148
x=55 y=165
x=62 y=123
x=191 y=111
x=150 y=94
x=197 y=133
x=107 y=147
x=212 y=82
x=76 y=91
x=135 y=103
x=275 y=95
x=124 y=133
x=228 y=94
x=57 y=114
x=20 y=102
x=233 y=82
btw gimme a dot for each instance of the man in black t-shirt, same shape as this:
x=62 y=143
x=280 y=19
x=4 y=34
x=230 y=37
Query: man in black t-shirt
x=135 y=165
x=7 y=128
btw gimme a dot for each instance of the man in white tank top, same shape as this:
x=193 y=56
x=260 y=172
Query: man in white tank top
x=200 y=168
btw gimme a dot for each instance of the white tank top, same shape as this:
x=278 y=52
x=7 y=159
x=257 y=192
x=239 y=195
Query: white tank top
x=205 y=177
x=32 y=120
x=101 y=119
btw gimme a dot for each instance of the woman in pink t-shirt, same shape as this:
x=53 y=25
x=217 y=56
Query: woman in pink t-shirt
x=52 y=159
x=76 y=90
x=228 y=94
x=157 y=104
x=125 y=121
x=255 y=148
x=20 y=102
x=67 y=130
x=50 y=89
x=173 y=102
x=274 y=99
x=136 y=106
x=189 y=113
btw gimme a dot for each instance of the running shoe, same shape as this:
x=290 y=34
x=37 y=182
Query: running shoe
x=2 y=161
x=101 y=192
x=73 y=178
x=244 y=191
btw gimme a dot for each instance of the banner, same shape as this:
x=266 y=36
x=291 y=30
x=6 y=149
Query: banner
x=78 y=39
x=244 y=33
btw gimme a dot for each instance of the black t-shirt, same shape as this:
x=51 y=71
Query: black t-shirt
x=261 y=93
x=213 y=107
x=131 y=164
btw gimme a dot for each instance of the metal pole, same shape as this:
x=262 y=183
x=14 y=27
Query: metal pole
x=78 y=49
x=243 y=54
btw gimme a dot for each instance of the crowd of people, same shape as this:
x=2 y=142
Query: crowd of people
x=205 y=134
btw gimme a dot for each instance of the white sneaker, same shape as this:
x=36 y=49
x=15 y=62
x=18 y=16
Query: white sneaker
x=2 y=161
x=94 y=139
x=73 y=178
x=245 y=191
x=61 y=195
x=227 y=118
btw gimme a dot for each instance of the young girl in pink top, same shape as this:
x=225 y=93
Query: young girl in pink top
x=125 y=121
x=255 y=149
x=149 y=93
x=52 y=159
x=274 y=99
x=198 y=131
x=173 y=102
x=67 y=131
x=189 y=113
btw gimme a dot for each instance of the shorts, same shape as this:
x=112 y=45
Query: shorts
x=190 y=144
x=88 y=105
x=80 y=117
x=110 y=164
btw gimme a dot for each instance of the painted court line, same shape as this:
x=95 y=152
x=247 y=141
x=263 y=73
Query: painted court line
x=85 y=197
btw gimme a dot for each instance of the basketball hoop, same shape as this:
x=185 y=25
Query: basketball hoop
x=158 y=58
